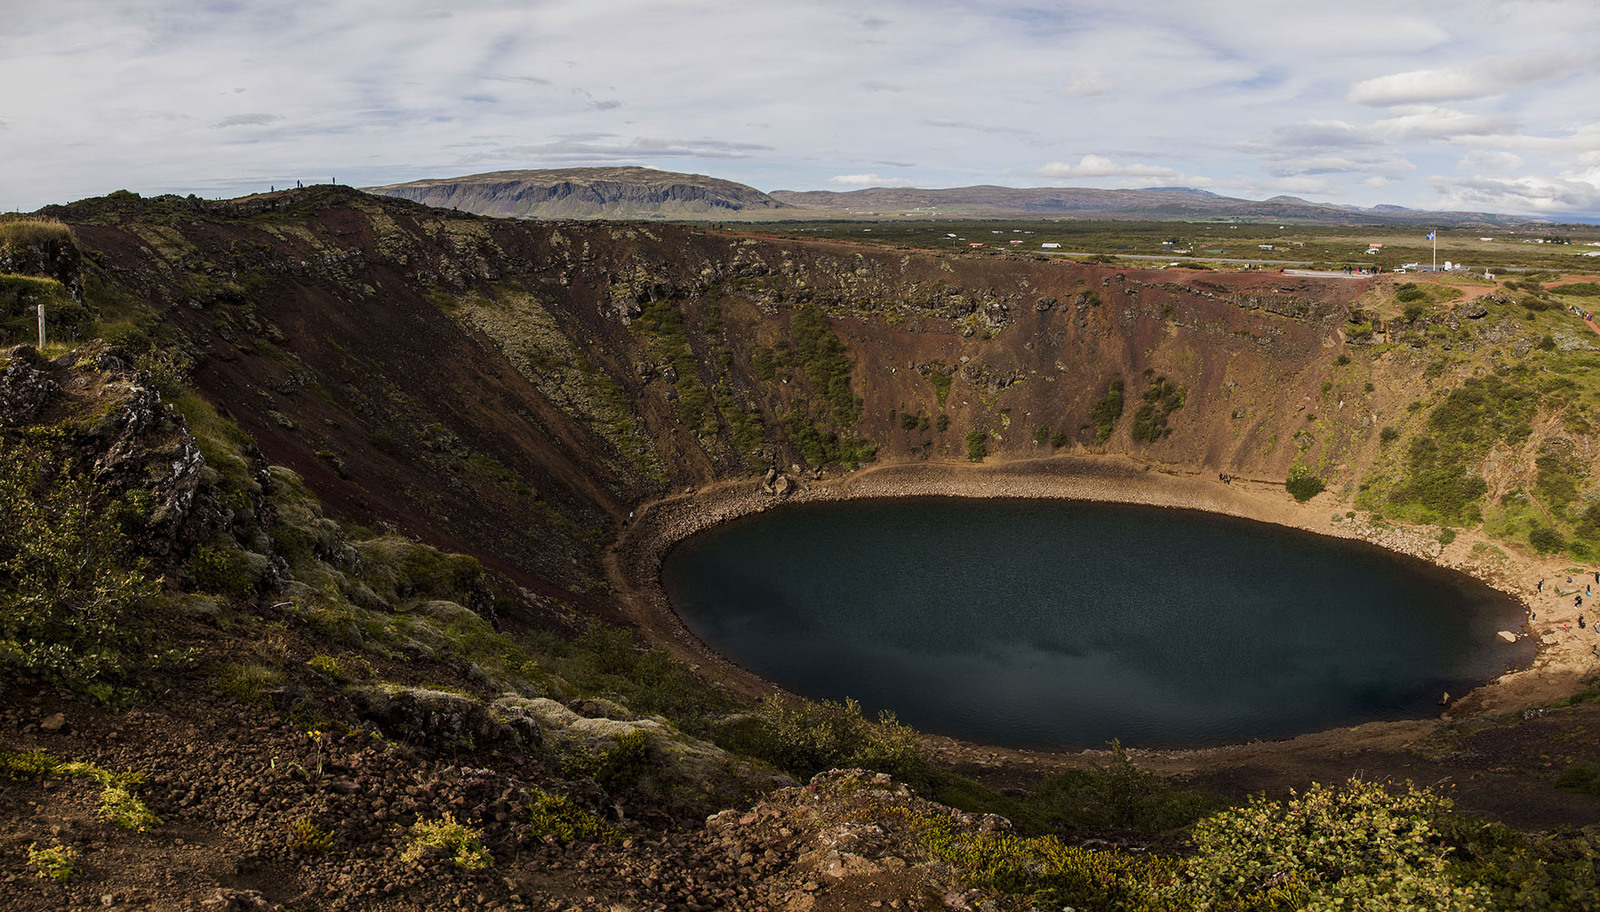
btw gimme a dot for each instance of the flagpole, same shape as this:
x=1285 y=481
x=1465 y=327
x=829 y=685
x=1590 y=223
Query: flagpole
x=1434 y=237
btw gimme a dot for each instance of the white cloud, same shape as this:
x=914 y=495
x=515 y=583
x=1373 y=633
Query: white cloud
x=1086 y=84
x=1535 y=195
x=1427 y=122
x=869 y=180
x=1478 y=79
x=1488 y=161
x=1100 y=166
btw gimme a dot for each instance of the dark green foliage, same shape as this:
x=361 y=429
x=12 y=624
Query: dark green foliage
x=1560 y=475
x=941 y=386
x=71 y=595
x=942 y=423
x=1551 y=872
x=1161 y=399
x=977 y=445
x=826 y=364
x=805 y=738
x=1545 y=540
x=1107 y=409
x=1441 y=467
x=1048 y=874
x=1058 y=439
x=1547 y=344
x=908 y=421
x=1119 y=796
x=1389 y=434
x=220 y=566
x=1041 y=435
x=1414 y=312
x=617 y=767
x=1580 y=776
x=1302 y=484
x=1580 y=289
x=1409 y=293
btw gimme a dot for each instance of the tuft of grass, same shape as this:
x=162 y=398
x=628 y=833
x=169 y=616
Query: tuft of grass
x=306 y=838
x=56 y=862
x=461 y=844
x=977 y=445
x=121 y=808
x=556 y=817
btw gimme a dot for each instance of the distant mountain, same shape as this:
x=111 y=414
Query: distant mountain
x=1156 y=204
x=611 y=193
x=645 y=193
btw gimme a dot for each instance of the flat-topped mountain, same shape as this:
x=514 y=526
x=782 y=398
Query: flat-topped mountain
x=637 y=193
x=617 y=193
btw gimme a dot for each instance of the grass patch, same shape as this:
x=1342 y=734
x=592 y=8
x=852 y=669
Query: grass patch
x=460 y=844
x=1107 y=409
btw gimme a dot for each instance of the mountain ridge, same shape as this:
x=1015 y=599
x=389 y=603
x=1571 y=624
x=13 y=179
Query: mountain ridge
x=647 y=193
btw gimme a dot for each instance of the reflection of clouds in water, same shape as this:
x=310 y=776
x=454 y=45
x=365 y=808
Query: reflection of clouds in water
x=1234 y=637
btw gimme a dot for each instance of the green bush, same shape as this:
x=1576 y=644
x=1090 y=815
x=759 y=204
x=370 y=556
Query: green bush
x=56 y=862
x=72 y=599
x=1161 y=399
x=1353 y=846
x=1302 y=484
x=1545 y=540
x=1581 y=776
x=977 y=445
x=1389 y=434
x=461 y=844
x=808 y=737
x=1107 y=409
x=557 y=817
x=1119 y=796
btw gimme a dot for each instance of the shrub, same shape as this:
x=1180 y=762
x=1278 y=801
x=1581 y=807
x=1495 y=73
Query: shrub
x=1121 y=796
x=1107 y=409
x=908 y=421
x=1545 y=539
x=1353 y=846
x=1389 y=434
x=1041 y=435
x=1409 y=293
x=1049 y=874
x=557 y=817
x=121 y=808
x=71 y=598
x=461 y=844
x=1161 y=399
x=1580 y=776
x=1302 y=484
x=1058 y=440
x=808 y=737
x=56 y=862
x=977 y=445
x=942 y=424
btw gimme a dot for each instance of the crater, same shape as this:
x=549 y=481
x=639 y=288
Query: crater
x=1063 y=603
x=1028 y=623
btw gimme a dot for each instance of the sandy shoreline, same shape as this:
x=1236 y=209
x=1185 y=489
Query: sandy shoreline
x=634 y=565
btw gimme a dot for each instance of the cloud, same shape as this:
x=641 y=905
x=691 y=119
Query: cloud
x=589 y=147
x=1479 y=79
x=1086 y=85
x=1426 y=122
x=869 y=180
x=1487 y=161
x=875 y=85
x=1385 y=165
x=1539 y=195
x=1100 y=166
x=246 y=120
x=1319 y=134
x=947 y=124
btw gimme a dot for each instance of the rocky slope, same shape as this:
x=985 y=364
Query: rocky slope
x=611 y=193
x=310 y=390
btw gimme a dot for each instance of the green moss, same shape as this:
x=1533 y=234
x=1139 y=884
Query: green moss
x=1107 y=409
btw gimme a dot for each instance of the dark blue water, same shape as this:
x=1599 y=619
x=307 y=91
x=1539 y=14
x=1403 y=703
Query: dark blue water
x=1051 y=623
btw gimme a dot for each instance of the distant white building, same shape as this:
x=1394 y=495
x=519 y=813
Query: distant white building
x=1050 y=245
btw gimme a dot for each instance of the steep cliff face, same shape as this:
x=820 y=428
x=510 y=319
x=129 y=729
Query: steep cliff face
x=615 y=193
x=513 y=389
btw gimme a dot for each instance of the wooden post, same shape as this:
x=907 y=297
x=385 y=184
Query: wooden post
x=41 y=327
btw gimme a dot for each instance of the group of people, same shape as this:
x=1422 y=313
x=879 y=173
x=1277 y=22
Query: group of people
x=1577 y=601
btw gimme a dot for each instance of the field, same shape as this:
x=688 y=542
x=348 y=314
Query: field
x=1227 y=244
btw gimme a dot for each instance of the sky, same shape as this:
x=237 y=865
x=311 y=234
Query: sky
x=1489 y=105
